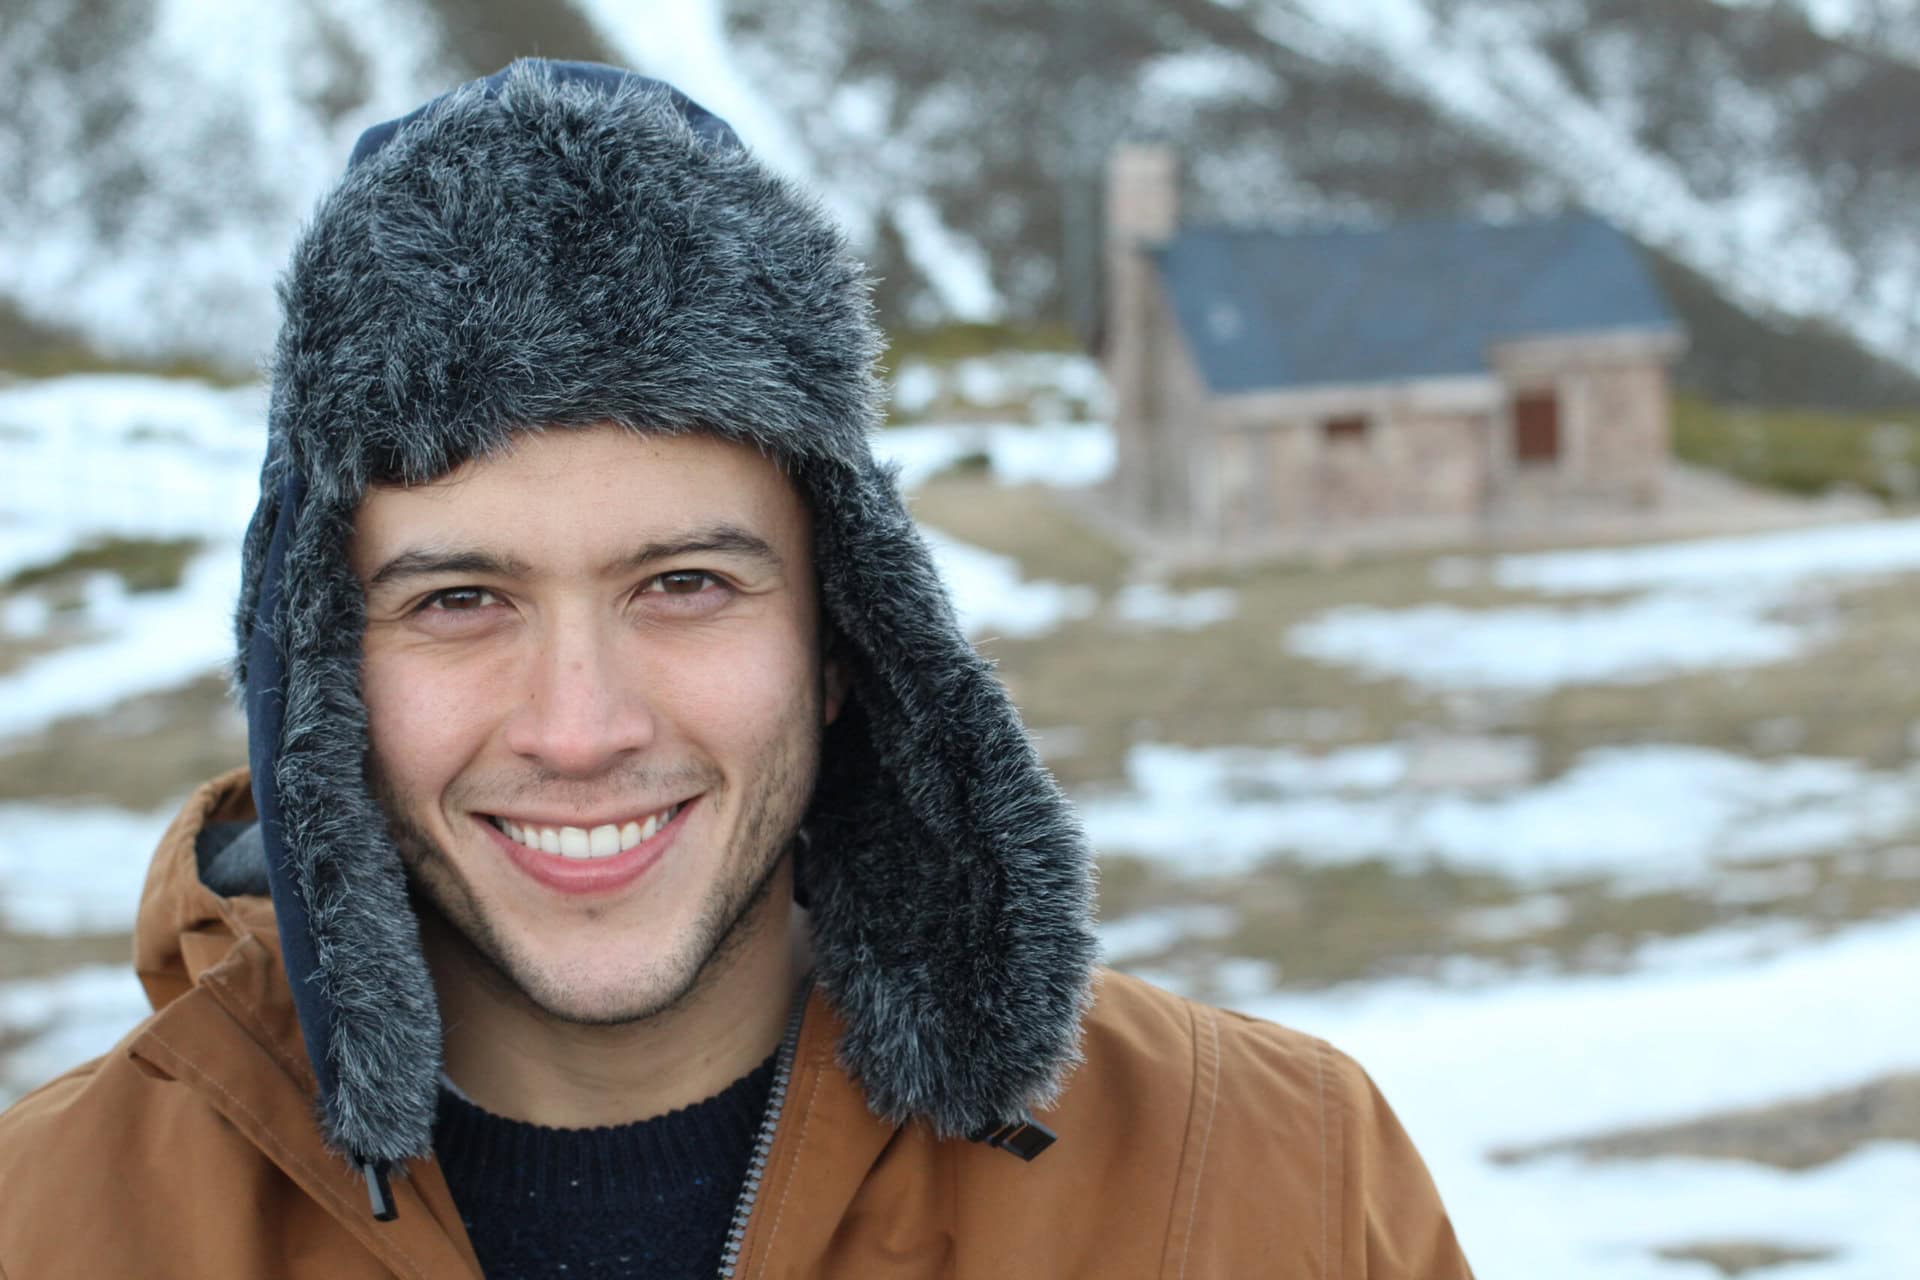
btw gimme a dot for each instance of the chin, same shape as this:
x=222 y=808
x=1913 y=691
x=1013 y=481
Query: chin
x=597 y=975
x=600 y=999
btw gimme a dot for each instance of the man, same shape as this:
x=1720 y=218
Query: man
x=659 y=883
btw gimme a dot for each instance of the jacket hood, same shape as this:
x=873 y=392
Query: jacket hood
x=564 y=244
x=205 y=887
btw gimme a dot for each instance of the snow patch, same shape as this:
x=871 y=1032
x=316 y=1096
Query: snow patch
x=158 y=641
x=67 y=869
x=1065 y=455
x=1651 y=816
x=70 y=1018
x=1689 y=606
x=957 y=268
x=1148 y=933
x=1152 y=605
x=991 y=599
x=1469 y=1071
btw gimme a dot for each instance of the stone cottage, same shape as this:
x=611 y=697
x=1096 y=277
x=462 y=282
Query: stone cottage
x=1416 y=382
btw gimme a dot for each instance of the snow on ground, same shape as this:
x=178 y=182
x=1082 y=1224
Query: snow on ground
x=1472 y=1070
x=158 y=640
x=1776 y=560
x=1066 y=455
x=1149 y=604
x=1679 y=607
x=1147 y=933
x=102 y=455
x=1646 y=815
x=1536 y=649
x=1039 y=381
x=992 y=599
x=79 y=1015
x=69 y=869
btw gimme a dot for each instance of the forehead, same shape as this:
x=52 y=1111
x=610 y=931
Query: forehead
x=566 y=495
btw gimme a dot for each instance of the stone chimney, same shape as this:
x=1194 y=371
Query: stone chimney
x=1143 y=192
x=1143 y=210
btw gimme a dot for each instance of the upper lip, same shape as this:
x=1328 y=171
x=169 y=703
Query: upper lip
x=621 y=818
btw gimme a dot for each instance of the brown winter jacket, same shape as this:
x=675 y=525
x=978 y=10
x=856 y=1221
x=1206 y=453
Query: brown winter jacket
x=1192 y=1142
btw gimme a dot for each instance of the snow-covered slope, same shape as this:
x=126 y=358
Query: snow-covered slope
x=1713 y=131
x=160 y=153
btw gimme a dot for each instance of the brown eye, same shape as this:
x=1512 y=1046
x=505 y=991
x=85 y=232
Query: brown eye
x=685 y=593
x=684 y=582
x=460 y=599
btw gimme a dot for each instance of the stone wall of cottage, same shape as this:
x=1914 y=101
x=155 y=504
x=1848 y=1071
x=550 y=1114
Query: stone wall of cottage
x=1615 y=435
x=1429 y=460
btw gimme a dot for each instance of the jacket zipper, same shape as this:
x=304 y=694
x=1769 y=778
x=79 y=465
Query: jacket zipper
x=763 y=1141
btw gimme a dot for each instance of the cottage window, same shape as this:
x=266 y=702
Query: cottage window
x=1536 y=427
x=1351 y=429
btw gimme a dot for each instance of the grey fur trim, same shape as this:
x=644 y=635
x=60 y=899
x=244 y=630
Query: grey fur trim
x=962 y=976
x=557 y=255
x=384 y=1049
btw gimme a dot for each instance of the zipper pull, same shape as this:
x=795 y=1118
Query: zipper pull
x=1023 y=1136
x=379 y=1193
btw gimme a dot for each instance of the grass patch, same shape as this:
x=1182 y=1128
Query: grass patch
x=1856 y=695
x=1322 y=925
x=962 y=340
x=32 y=955
x=1233 y=682
x=61 y=362
x=1803 y=451
x=143 y=564
x=1020 y=521
x=1737 y=1257
x=17 y=651
x=34 y=349
x=140 y=754
x=1788 y=1135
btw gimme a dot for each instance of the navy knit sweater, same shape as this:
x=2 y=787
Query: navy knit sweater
x=652 y=1199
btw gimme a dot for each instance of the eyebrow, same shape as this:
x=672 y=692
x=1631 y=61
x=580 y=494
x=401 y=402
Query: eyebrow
x=714 y=539
x=717 y=539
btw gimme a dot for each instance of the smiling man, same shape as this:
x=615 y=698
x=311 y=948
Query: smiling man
x=638 y=874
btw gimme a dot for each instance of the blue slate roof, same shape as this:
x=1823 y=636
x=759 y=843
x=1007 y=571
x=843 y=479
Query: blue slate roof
x=1270 y=309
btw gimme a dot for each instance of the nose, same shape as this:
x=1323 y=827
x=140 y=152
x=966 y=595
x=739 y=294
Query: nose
x=582 y=708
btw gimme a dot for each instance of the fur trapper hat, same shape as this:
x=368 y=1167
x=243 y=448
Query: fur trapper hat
x=563 y=244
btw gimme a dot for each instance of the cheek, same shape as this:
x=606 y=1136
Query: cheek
x=747 y=697
x=423 y=723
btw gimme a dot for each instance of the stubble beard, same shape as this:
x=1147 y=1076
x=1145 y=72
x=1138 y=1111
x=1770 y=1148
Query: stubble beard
x=731 y=912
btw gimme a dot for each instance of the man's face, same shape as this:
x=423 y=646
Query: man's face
x=596 y=696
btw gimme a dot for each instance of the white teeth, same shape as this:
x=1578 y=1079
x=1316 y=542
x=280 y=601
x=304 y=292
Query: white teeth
x=577 y=842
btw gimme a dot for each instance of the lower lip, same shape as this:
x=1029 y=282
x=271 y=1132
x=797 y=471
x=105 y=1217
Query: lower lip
x=586 y=876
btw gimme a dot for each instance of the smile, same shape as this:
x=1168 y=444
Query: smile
x=606 y=840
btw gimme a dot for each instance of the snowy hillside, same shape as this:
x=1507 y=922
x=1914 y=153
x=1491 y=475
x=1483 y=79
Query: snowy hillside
x=161 y=154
